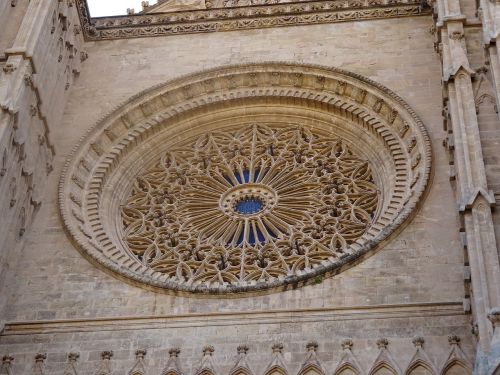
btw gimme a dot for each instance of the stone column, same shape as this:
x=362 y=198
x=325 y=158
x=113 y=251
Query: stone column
x=35 y=78
x=474 y=198
x=490 y=17
x=494 y=357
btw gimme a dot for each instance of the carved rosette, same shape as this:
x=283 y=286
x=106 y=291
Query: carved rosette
x=245 y=178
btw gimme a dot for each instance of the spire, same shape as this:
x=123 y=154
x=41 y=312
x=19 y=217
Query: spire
x=311 y=361
x=456 y=355
x=207 y=362
x=420 y=358
x=6 y=368
x=173 y=365
x=277 y=363
x=384 y=358
x=139 y=367
x=348 y=359
x=71 y=366
x=39 y=368
x=494 y=357
x=105 y=367
x=241 y=364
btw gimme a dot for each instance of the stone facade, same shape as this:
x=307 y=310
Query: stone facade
x=75 y=92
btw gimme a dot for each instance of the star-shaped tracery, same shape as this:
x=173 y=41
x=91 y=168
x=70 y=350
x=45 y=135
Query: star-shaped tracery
x=252 y=203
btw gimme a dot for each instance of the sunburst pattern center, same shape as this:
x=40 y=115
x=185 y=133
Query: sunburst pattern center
x=249 y=204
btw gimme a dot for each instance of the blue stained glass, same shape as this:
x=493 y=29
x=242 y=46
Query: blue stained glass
x=255 y=175
x=249 y=206
x=251 y=238
x=246 y=175
x=240 y=238
x=260 y=236
x=270 y=231
x=238 y=177
x=242 y=179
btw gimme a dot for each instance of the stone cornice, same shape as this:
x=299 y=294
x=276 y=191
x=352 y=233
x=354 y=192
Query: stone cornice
x=389 y=311
x=243 y=18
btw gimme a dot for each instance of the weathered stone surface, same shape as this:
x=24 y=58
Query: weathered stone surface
x=421 y=282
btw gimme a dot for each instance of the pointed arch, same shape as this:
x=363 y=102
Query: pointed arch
x=172 y=367
x=456 y=367
x=205 y=371
x=347 y=369
x=240 y=371
x=139 y=367
x=383 y=368
x=276 y=370
x=485 y=98
x=311 y=369
x=419 y=367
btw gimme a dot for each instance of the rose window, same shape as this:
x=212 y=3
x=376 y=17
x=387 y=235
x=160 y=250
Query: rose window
x=246 y=178
x=253 y=203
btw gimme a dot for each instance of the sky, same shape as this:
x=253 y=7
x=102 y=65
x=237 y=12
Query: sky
x=101 y=8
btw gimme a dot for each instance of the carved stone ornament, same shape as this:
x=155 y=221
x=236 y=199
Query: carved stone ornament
x=233 y=180
x=242 y=15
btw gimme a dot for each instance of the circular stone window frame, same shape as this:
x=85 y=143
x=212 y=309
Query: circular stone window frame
x=120 y=135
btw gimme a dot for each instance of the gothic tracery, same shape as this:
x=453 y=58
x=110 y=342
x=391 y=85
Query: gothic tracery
x=253 y=203
x=219 y=183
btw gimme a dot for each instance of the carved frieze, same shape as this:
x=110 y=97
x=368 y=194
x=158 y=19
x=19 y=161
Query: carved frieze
x=386 y=362
x=229 y=15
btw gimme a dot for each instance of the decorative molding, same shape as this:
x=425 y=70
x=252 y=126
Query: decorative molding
x=348 y=361
x=244 y=18
x=393 y=312
x=105 y=365
x=71 y=366
x=6 y=366
x=456 y=356
x=385 y=361
x=150 y=115
x=278 y=364
x=348 y=365
x=242 y=365
x=420 y=359
x=311 y=364
x=39 y=368
x=173 y=366
x=207 y=365
x=139 y=367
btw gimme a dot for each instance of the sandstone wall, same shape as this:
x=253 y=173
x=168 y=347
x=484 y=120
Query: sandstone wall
x=40 y=42
x=419 y=274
